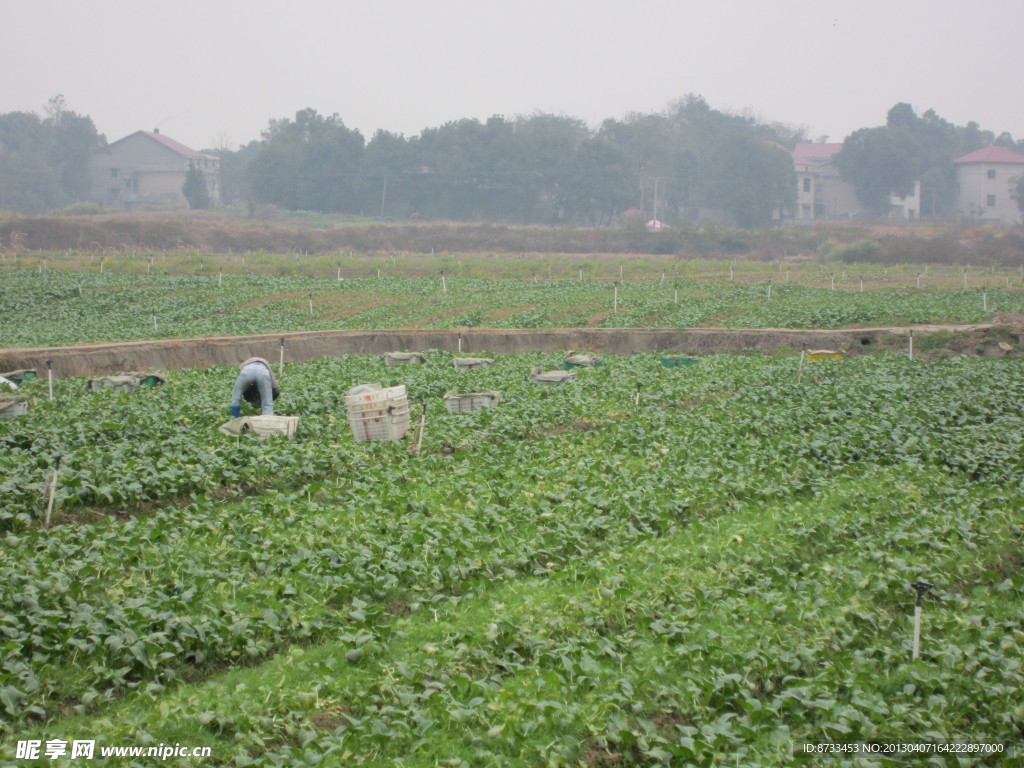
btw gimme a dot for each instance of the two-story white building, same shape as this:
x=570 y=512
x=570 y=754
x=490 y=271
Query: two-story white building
x=822 y=194
x=147 y=170
x=984 y=184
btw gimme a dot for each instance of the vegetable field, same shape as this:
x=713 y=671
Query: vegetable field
x=59 y=308
x=711 y=575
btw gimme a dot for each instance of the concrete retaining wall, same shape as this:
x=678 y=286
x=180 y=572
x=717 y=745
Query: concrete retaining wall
x=96 y=359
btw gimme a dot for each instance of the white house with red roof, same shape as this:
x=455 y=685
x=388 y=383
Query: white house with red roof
x=147 y=170
x=984 y=184
x=822 y=194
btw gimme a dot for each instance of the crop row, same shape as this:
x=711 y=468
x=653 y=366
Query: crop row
x=621 y=589
x=54 y=308
x=120 y=450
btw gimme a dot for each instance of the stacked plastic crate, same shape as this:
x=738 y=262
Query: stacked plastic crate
x=377 y=413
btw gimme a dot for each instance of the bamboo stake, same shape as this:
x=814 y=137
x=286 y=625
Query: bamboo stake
x=920 y=587
x=52 y=492
x=911 y=345
x=800 y=368
x=280 y=364
x=423 y=426
x=615 y=299
x=636 y=400
x=49 y=376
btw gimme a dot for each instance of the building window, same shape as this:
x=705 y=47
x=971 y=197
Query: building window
x=113 y=173
x=991 y=173
x=807 y=184
x=991 y=201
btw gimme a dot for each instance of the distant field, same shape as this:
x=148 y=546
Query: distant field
x=204 y=296
x=220 y=232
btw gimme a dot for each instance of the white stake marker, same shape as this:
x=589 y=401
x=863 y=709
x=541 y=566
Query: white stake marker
x=423 y=426
x=53 y=492
x=921 y=587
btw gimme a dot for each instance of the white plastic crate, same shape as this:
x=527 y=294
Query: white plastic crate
x=117 y=383
x=469 y=363
x=470 y=401
x=404 y=358
x=388 y=423
x=10 y=408
x=377 y=413
x=373 y=393
x=274 y=425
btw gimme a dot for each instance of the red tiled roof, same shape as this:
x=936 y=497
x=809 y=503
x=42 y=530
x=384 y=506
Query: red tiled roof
x=175 y=146
x=807 y=152
x=993 y=155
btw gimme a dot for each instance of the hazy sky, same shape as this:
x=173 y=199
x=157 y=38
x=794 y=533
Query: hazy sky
x=208 y=70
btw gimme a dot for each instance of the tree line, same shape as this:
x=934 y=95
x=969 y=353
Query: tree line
x=686 y=161
x=44 y=160
x=889 y=159
x=536 y=169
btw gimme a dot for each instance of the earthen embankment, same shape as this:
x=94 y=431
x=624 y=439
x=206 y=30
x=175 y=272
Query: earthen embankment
x=167 y=354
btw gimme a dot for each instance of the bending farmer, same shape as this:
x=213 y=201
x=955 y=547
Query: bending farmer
x=256 y=383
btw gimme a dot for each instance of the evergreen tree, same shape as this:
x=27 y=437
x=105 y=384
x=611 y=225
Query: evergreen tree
x=195 y=190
